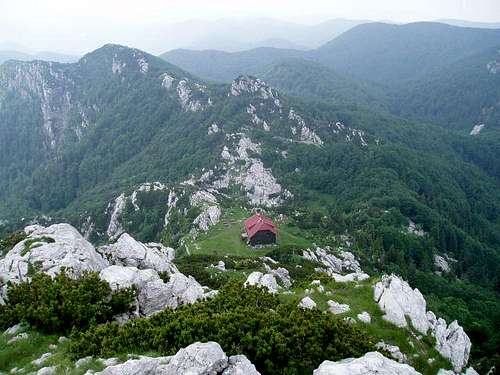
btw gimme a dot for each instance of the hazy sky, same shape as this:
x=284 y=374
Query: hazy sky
x=77 y=26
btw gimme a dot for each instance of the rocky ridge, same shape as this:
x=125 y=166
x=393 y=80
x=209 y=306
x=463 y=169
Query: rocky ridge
x=399 y=302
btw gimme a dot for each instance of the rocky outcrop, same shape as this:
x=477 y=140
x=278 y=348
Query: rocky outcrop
x=260 y=280
x=477 y=129
x=154 y=295
x=49 y=249
x=196 y=359
x=281 y=274
x=451 y=341
x=140 y=366
x=129 y=252
x=307 y=303
x=337 y=308
x=372 y=363
x=210 y=210
x=333 y=265
x=115 y=210
x=393 y=350
x=240 y=365
x=399 y=301
x=244 y=168
x=364 y=317
x=441 y=264
x=253 y=86
x=305 y=135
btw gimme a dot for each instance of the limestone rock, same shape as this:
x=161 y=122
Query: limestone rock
x=21 y=336
x=14 y=330
x=372 y=363
x=42 y=359
x=393 y=350
x=365 y=317
x=441 y=264
x=280 y=273
x=334 y=266
x=451 y=341
x=196 y=359
x=264 y=281
x=307 y=303
x=125 y=277
x=240 y=365
x=398 y=300
x=47 y=370
x=50 y=249
x=114 y=227
x=153 y=294
x=337 y=308
x=129 y=252
x=141 y=366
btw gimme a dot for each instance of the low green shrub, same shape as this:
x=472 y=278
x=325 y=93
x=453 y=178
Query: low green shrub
x=300 y=269
x=277 y=338
x=35 y=242
x=7 y=243
x=59 y=304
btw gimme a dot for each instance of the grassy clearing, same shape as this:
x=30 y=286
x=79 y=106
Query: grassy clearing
x=225 y=237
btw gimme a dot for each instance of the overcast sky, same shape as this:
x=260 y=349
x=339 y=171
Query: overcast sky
x=78 y=26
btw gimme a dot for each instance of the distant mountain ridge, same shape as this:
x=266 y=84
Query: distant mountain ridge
x=400 y=67
x=44 y=56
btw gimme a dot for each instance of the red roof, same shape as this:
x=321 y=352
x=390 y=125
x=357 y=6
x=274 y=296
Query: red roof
x=258 y=223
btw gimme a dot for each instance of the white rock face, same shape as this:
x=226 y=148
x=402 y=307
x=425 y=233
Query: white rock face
x=441 y=264
x=185 y=98
x=414 y=229
x=365 y=317
x=337 y=308
x=451 y=341
x=47 y=370
x=167 y=81
x=280 y=273
x=141 y=366
x=250 y=85
x=398 y=300
x=211 y=212
x=307 y=135
x=42 y=359
x=333 y=265
x=307 y=303
x=67 y=249
x=372 y=363
x=114 y=227
x=393 y=350
x=154 y=295
x=14 y=330
x=262 y=281
x=261 y=187
x=196 y=359
x=477 y=129
x=129 y=252
x=240 y=365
